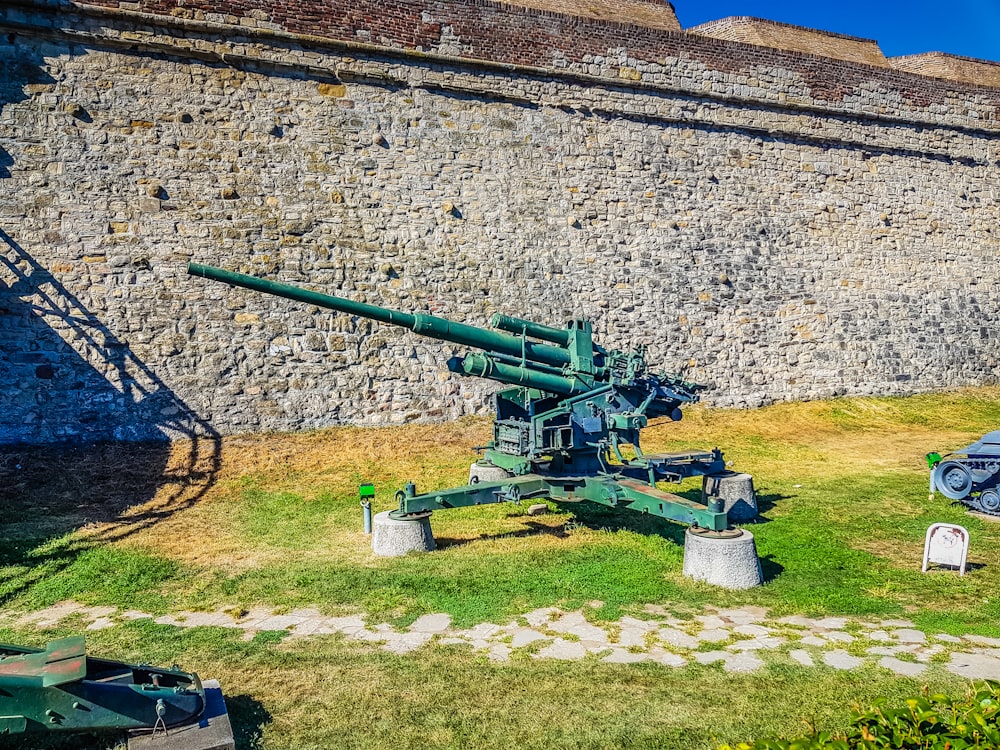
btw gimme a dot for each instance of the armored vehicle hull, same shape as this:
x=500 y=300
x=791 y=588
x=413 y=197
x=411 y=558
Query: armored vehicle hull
x=970 y=475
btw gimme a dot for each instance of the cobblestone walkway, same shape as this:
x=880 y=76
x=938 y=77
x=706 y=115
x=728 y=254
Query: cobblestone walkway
x=741 y=639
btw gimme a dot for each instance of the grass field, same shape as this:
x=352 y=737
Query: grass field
x=274 y=521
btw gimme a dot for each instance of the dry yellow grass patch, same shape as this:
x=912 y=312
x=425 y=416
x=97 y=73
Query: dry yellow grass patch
x=184 y=501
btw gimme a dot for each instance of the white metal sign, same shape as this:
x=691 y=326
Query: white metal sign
x=946 y=544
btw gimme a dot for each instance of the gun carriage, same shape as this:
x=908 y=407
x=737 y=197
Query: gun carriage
x=569 y=409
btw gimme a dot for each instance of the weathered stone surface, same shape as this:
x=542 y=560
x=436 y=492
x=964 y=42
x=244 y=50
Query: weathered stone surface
x=831 y=623
x=908 y=635
x=802 y=657
x=752 y=630
x=879 y=635
x=433 y=623
x=813 y=640
x=392 y=537
x=715 y=635
x=675 y=637
x=743 y=663
x=946 y=638
x=525 y=636
x=906 y=668
x=709 y=657
x=840 y=659
x=576 y=624
x=838 y=635
x=731 y=563
x=983 y=640
x=756 y=644
x=739 y=500
x=975 y=666
x=621 y=656
x=560 y=648
x=793 y=266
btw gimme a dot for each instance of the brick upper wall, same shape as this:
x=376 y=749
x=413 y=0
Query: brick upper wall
x=793 y=39
x=517 y=34
x=952 y=67
x=650 y=14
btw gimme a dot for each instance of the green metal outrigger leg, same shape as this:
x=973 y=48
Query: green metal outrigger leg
x=610 y=490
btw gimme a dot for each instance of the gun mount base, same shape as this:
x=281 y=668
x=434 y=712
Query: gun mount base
x=486 y=471
x=736 y=491
x=712 y=534
x=722 y=559
x=212 y=732
x=400 y=534
x=398 y=515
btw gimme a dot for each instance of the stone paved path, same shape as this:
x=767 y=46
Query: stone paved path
x=742 y=639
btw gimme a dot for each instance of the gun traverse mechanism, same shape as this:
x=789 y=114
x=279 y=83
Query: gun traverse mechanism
x=561 y=425
x=970 y=475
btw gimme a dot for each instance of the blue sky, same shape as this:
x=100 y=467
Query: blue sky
x=960 y=27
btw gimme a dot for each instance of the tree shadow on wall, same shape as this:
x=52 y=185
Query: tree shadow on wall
x=65 y=378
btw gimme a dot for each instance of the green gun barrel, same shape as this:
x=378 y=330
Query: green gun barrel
x=558 y=336
x=426 y=325
x=485 y=366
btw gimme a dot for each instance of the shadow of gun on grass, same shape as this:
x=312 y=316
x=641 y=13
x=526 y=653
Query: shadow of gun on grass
x=605 y=518
x=589 y=515
x=85 y=431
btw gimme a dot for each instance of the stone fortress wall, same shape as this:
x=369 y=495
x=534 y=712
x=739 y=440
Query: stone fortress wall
x=773 y=223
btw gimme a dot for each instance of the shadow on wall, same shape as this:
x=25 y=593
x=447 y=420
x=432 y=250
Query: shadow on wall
x=85 y=425
x=71 y=393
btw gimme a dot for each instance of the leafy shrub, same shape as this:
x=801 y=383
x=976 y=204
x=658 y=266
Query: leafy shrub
x=930 y=722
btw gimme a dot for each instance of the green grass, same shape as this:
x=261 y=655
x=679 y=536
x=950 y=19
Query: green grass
x=328 y=693
x=843 y=492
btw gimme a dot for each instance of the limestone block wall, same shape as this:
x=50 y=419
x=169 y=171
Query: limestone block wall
x=774 y=228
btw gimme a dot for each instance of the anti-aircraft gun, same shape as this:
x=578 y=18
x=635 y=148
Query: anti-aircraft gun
x=560 y=426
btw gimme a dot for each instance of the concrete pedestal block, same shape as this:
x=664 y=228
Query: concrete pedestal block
x=727 y=561
x=212 y=732
x=484 y=471
x=392 y=537
x=736 y=492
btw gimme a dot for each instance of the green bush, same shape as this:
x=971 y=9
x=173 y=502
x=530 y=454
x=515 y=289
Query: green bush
x=930 y=722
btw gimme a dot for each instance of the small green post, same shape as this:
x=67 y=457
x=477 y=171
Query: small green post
x=367 y=493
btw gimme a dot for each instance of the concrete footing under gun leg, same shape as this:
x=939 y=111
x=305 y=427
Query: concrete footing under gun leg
x=484 y=471
x=392 y=537
x=211 y=732
x=736 y=492
x=727 y=559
